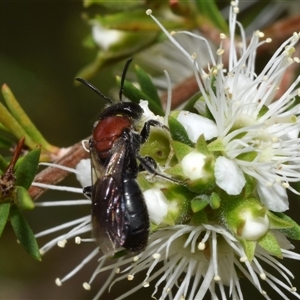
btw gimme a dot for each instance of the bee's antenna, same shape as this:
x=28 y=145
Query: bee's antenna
x=129 y=60
x=94 y=88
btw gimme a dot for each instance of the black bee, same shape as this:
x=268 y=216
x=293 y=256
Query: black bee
x=119 y=213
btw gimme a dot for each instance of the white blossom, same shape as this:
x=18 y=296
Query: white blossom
x=258 y=135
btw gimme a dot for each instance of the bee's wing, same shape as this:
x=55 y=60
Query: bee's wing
x=108 y=206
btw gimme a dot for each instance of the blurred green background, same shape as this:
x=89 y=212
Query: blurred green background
x=40 y=53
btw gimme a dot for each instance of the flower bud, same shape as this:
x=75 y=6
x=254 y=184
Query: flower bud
x=246 y=218
x=192 y=165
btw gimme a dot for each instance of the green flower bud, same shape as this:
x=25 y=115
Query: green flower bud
x=247 y=219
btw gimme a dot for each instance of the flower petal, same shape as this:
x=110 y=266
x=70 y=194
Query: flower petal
x=195 y=125
x=229 y=176
x=273 y=197
x=157 y=205
x=84 y=175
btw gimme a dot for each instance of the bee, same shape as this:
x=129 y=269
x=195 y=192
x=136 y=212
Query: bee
x=119 y=212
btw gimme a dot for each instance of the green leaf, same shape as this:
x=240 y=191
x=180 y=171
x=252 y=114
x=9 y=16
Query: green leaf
x=147 y=85
x=293 y=232
x=210 y=10
x=178 y=132
x=22 y=118
x=189 y=105
x=199 y=218
x=270 y=244
x=176 y=171
x=3 y=164
x=7 y=119
x=144 y=184
x=249 y=248
x=216 y=146
x=24 y=233
x=277 y=222
x=135 y=95
x=137 y=21
x=199 y=203
x=27 y=169
x=4 y=213
x=201 y=145
x=215 y=201
x=24 y=200
x=6 y=142
x=249 y=187
x=181 y=150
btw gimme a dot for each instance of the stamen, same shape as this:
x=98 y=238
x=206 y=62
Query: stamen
x=77 y=240
x=236 y=10
x=156 y=256
x=86 y=286
x=243 y=259
x=171 y=38
x=53 y=165
x=263 y=276
x=222 y=36
x=81 y=265
x=130 y=277
x=58 y=282
x=135 y=258
x=297 y=60
x=285 y=184
x=220 y=51
x=263 y=292
x=169 y=99
x=82 y=220
x=63 y=203
x=58 y=188
x=62 y=243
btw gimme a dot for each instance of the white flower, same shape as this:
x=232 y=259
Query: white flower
x=106 y=38
x=258 y=135
x=208 y=249
x=201 y=257
x=206 y=255
x=192 y=165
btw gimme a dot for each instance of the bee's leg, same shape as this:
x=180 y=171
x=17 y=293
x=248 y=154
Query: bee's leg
x=87 y=191
x=145 y=132
x=148 y=164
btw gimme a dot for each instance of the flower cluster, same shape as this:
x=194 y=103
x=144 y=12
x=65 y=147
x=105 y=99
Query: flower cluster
x=230 y=160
